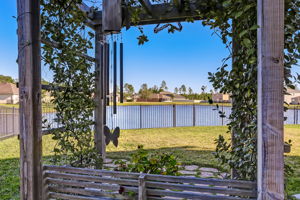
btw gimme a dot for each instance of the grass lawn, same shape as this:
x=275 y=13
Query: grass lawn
x=192 y=145
x=46 y=108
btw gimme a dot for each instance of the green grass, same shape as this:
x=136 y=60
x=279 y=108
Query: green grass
x=169 y=103
x=46 y=108
x=192 y=145
x=10 y=105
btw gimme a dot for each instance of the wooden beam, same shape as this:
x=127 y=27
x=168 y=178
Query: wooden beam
x=99 y=93
x=112 y=16
x=179 y=4
x=142 y=187
x=270 y=166
x=91 y=16
x=164 y=13
x=29 y=61
x=147 y=6
x=87 y=10
x=168 y=13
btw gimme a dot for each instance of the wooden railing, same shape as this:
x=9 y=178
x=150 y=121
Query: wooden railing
x=90 y=184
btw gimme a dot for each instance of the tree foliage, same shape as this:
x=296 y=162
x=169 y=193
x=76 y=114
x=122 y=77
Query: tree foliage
x=128 y=90
x=62 y=23
x=6 y=79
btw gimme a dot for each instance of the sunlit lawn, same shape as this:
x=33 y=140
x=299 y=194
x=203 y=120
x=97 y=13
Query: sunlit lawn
x=192 y=145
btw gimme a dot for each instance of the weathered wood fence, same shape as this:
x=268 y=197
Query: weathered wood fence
x=90 y=184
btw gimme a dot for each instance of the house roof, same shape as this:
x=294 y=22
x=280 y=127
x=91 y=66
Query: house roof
x=8 y=88
x=165 y=92
x=178 y=96
x=297 y=97
x=289 y=90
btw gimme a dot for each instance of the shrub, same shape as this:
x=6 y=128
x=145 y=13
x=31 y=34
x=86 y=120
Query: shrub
x=151 y=163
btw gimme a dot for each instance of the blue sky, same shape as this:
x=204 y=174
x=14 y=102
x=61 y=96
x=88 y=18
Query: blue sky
x=181 y=58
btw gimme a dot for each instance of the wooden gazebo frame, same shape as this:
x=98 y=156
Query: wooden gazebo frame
x=270 y=177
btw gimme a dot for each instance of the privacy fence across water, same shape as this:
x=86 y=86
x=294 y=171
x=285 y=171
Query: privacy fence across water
x=160 y=116
x=141 y=116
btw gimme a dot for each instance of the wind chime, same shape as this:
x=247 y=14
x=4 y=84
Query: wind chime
x=110 y=89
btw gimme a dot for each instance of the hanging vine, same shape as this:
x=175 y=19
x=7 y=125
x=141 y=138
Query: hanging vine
x=62 y=23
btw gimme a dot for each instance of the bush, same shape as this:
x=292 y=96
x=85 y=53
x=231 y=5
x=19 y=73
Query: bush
x=151 y=163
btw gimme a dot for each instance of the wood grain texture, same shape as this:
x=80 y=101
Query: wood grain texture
x=270 y=99
x=29 y=61
x=111 y=16
x=99 y=94
x=142 y=187
x=91 y=182
x=147 y=6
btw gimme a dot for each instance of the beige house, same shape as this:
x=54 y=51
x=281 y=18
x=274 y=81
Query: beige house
x=162 y=97
x=219 y=97
x=46 y=96
x=293 y=96
x=296 y=100
x=9 y=93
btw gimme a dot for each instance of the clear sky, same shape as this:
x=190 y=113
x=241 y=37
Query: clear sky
x=181 y=58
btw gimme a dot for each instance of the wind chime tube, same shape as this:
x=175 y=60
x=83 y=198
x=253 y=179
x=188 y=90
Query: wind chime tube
x=101 y=70
x=104 y=77
x=115 y=79
x=121 y=74
x=107 y=73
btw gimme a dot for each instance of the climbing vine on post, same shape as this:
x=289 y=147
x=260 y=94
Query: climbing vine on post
x=62 y=24
x=235 y=22
x=241 y=81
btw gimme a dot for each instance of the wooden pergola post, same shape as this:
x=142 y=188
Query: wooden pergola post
x=270 y=177
x=29 y=61
x=99 y=93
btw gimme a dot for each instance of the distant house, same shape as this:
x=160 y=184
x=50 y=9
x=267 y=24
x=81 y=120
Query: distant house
x=166 y=96
x=179 y=98
x=47 y=97
x=293 y=96
x=163 y=97
x=9 y=93
x=155 y=98
x=219 y=97
x=295 y=100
